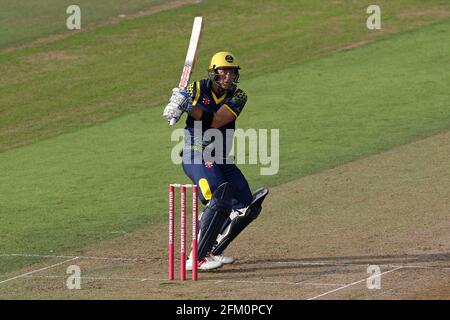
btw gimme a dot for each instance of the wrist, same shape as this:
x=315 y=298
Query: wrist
x=196 y=113
x=188 y=106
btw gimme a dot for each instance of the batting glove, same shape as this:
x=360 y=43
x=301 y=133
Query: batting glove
x=171 y=111
x=182 y=99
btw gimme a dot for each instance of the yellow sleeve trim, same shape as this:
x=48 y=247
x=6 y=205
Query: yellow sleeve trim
x=231 y=110
x=197 y=93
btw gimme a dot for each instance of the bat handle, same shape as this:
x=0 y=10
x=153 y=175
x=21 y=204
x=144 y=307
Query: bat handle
x=173 y=121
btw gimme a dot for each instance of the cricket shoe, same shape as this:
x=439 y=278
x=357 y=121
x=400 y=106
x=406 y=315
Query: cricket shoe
x=207 y=263
x=223 y=259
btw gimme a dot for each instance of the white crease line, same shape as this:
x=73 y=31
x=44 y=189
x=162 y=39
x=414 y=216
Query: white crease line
x=418 y=267
x=291 y=283
x=324 y=284
x=25 y=255
x=38 y=270
x=251 y=281
x=104 y=278
x=351 y=284
x=156 y=279
x=206 y=280
x=336 y=264
x=390 y=265
x=319 y=263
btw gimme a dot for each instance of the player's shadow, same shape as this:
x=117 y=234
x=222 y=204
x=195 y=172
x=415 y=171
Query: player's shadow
x=436 y=260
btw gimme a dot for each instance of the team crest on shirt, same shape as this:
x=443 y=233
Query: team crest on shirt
x=205 y=100
x=208 y=165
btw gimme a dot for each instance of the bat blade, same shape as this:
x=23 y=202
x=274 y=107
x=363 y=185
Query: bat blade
x=192 y=53
x=191 y=56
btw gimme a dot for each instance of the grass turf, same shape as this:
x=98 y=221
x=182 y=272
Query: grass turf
x=66 y=192
x=24 y=21
x=103 y=73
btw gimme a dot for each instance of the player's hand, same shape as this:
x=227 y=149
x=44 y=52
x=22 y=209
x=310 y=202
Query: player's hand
x=172 y=111
x=182 y=99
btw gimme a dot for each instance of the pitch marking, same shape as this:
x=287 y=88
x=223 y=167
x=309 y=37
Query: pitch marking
x=351 y=284
x=38 y=270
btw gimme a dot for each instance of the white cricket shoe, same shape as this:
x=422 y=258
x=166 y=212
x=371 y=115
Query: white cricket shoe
x=223 y=259
x=208 y=263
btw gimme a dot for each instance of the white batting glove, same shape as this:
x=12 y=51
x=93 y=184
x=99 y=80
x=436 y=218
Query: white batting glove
x=182 y=99
x=172 y=111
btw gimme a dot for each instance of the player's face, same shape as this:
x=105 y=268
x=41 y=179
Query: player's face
x=226 y=77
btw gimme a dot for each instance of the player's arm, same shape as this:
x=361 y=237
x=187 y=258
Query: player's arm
x=196 y=113
x=222 y=117
x=228 y=112
x=218 y=119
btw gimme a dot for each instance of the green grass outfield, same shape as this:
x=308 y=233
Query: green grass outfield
x=71 y=183
x=63 y=193
x=107 y=72
x=23 y=21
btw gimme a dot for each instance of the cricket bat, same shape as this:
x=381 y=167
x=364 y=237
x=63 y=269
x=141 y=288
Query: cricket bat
x=191 y=56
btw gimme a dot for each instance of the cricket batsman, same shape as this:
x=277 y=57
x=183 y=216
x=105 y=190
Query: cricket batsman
x=215 y=103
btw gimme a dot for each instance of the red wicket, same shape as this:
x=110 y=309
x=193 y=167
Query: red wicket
x=183 y=233
x=194 y=231
x=182 y=230
x=171 y=230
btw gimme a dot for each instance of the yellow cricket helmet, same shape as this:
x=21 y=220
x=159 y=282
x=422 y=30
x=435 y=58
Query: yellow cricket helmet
x=223 y=60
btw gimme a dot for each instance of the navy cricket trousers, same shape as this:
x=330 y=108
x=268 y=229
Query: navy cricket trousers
x=208 y=176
